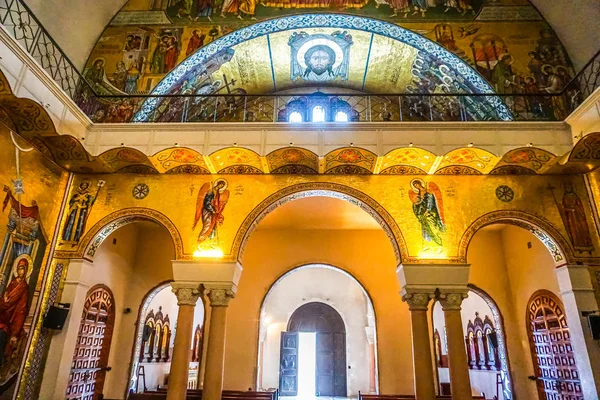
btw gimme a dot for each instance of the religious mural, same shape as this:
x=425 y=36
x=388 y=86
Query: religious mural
x=506 y=41
x=211 y=201
x=428 y=207
x=320 y=57
x=574 y=218
x=28 y=212
x=80 y=205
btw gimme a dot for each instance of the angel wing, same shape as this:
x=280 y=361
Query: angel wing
x=433 y=188
x=200 y=203
x=223 y=199
x=413 y=196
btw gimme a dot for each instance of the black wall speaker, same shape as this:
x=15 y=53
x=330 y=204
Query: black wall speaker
x=56 y=316
x=594 y=321
x=147 y=332
x=493 y=338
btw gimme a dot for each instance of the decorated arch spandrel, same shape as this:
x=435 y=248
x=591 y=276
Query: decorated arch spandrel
x=216 y=212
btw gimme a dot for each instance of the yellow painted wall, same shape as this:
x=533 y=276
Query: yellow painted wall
x=139 y=261
x=367 y=255
x=503 y=266
x=465 y=199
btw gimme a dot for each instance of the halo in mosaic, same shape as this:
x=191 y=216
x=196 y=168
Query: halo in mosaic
x=476 y=82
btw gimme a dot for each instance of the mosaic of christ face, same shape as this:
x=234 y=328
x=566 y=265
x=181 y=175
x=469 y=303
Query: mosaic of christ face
x=320 y=58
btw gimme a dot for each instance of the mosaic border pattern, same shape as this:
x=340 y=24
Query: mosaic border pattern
x=544 y=231
x=340 y=21
x=324 y=189
x=102 y=229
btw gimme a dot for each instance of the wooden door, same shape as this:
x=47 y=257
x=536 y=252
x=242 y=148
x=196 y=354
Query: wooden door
x=331 y=364
x=324 y=365
x=288 y=367
x=326 y=322
x=90 y=360
x=552 y=353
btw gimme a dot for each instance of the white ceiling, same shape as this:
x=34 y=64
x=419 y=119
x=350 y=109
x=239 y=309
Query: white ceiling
x=77 y=24
x=319 y=213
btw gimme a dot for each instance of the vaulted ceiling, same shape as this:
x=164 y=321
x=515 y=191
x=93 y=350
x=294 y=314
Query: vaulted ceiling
x=76 y=25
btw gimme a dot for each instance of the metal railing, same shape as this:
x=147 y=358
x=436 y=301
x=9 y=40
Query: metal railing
x=236 y=106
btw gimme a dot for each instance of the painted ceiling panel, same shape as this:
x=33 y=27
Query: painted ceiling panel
x=390 y=66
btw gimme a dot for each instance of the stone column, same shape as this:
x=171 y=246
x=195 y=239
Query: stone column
x=187 y=296
x=418 y=303
x=62 y=348
x=219 y=296
x=578 y=296
x=460 y=382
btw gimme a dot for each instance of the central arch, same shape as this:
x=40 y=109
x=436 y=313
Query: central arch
x=324 y=189
x=222 y=48
x=336 y=319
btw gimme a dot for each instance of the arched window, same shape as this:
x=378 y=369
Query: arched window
x=341 y=116
x=318 y=114
x=294 y=117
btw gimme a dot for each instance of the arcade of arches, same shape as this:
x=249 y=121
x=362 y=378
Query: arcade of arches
x=313 y=252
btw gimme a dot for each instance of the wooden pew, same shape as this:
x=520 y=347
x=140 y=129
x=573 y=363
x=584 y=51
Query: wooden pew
x=403 y=397
x=196 y=394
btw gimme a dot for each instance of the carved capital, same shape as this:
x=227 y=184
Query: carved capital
x=220 y=297
x=452 y=300
x=417 y=301
x=187 y=295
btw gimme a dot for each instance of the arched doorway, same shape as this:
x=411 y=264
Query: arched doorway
x=551 y=350
x=330 y=334
x=487 y=357
x=329 y=319
x=90 y=360
x=154 y=340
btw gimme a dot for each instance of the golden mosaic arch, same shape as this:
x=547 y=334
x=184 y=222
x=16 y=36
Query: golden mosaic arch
x=92 y=240
x=543 y=230
x=325 y=189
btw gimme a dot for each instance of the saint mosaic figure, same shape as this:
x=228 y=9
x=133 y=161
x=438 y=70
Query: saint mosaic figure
x=573 y=217
x=20 y=259
x=320 y=57
x=79 y=209
x=13 y=310
x=210 y=204
x=429 y=210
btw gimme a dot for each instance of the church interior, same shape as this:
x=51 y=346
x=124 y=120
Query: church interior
x=299 y=199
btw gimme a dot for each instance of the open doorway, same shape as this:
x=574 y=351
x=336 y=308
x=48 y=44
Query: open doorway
x=318 y=335
x=317 y=332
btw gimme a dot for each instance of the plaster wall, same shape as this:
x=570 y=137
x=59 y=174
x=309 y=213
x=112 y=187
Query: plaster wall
x=139 y=261
x=78 y=36
x=332 y=288
x=505 y=268
x=366 y=255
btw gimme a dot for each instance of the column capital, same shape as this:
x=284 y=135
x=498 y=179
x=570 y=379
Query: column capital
x=187 y=293
x=452 y=300
x=211 y=271
x=220 y=295
x=417 y=300
x=428 y=277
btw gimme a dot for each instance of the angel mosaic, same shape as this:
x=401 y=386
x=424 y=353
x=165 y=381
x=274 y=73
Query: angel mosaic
x=429 y=210
x=212 y=198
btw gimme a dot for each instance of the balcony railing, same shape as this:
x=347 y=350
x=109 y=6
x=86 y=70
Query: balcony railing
x=25 y=28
